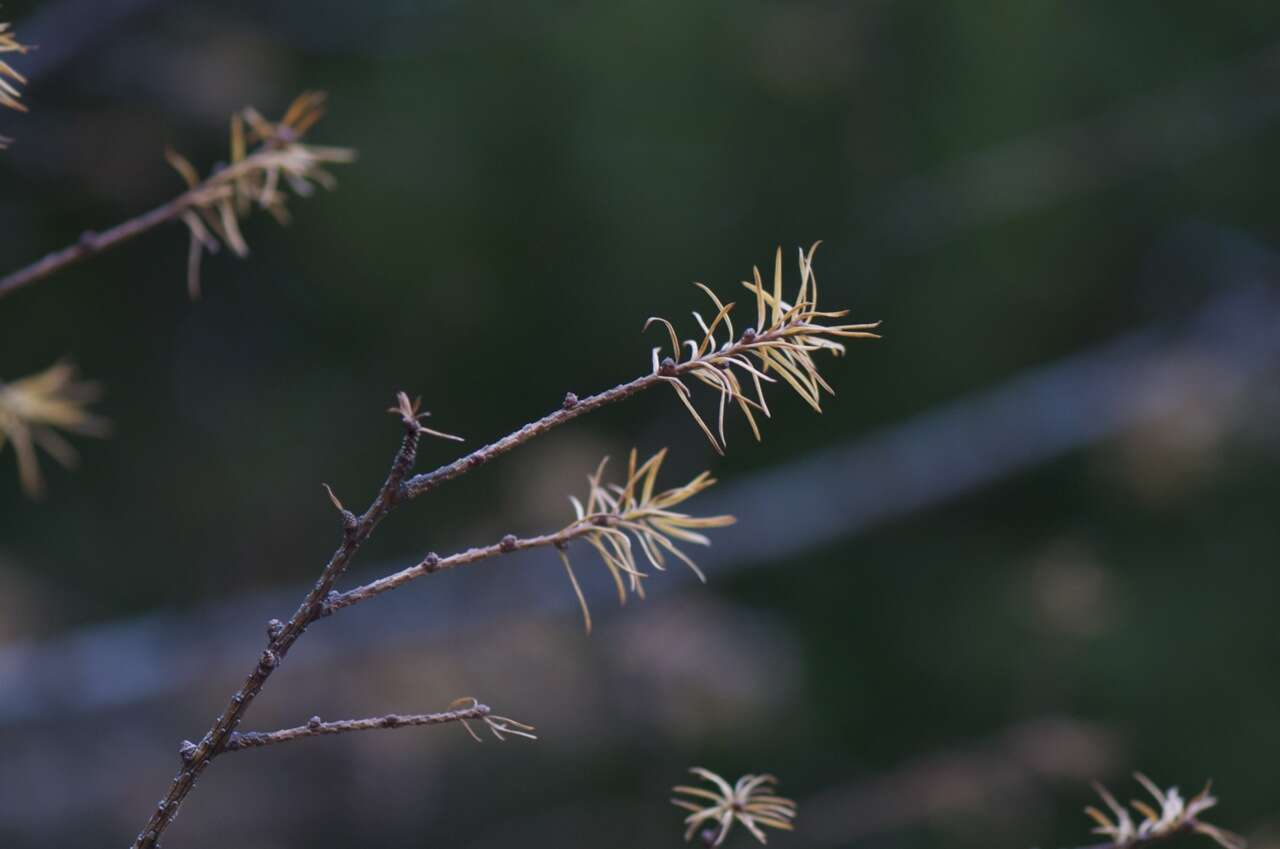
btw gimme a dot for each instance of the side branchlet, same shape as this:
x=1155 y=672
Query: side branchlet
x=460 y=711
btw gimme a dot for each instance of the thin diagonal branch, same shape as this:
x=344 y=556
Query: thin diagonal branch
x=432 y=563
x=424 y=483
x=618 y=520
x=667 y=370
x=91 y=243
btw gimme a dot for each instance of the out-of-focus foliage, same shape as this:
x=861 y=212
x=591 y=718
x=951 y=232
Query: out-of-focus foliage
x=1173 y=815
x=264 y=160
x=10 y=78
x=32 y=411
x=751 y=800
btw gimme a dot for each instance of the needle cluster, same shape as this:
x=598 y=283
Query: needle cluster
x=780 y=346
x=616 y=514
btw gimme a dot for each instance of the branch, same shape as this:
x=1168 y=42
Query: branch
x=210 y=207
x=357 y=529
x=315 y=727
x=664 y=372
x=433 y=563
x=617 y=520
x=572 y=408
x=783 y=343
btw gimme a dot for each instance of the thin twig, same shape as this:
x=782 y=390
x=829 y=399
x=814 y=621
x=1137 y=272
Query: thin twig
x=315 y=728
x=612 y=517
x=427 y=481
x=431 y=564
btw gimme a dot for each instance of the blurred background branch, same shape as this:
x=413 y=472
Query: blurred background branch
x=211 y=207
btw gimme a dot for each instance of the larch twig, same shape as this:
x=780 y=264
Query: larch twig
x=782 y=343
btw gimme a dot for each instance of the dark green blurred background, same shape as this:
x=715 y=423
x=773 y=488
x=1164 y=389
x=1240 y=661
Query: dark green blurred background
x=1004 y=184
